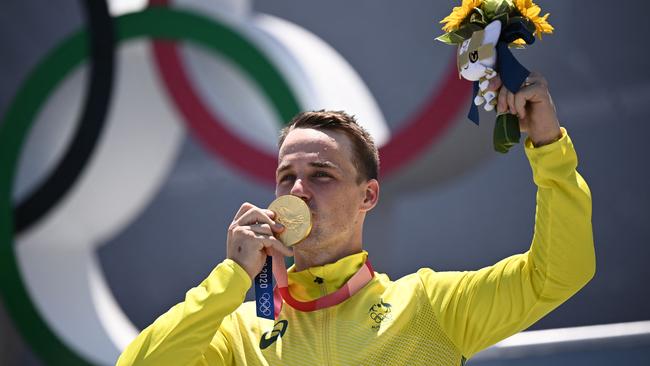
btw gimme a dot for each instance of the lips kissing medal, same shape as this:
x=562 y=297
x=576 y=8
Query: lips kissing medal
x=293 y=213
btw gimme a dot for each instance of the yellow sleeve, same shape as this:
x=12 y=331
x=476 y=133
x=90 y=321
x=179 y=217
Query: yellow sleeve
x=189 y=333
x=480 y=308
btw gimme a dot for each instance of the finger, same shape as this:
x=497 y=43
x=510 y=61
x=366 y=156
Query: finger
x=249 y=238
x=262 y=242
x=511 y=103
x=502 y=102
x=495 y=84
x=277 y=228
x=536 y=79
x=256 y=216
x=247 y=230
x=263 y=229
x=242 y=210
x=266 y=229
x=277 y=246
x=521 y=99
x=534 y=93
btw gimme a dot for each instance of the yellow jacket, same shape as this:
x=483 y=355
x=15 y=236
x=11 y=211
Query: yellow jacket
x=426 y=318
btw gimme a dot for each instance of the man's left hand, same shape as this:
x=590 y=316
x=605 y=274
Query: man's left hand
x=534 y=107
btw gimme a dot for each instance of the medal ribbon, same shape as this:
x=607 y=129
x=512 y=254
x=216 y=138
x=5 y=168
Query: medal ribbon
x=351 y=287
x=264 y=291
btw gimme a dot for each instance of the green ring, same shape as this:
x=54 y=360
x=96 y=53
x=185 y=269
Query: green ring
x=156 y=23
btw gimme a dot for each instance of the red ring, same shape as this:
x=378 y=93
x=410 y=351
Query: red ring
x=428 y=125
x=407 y=144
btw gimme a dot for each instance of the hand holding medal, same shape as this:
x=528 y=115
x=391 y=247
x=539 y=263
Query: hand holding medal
x=484 y=30
x=293 y=213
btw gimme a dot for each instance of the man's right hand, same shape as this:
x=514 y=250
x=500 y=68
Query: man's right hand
x=251 y=237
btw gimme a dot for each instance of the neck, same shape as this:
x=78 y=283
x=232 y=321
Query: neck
x=320 y=249
x=306 y=258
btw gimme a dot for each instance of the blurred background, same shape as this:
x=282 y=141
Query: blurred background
x=130 y=137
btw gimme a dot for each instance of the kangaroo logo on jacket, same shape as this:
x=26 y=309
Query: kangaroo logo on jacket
x=278 y=331
x=379 y=312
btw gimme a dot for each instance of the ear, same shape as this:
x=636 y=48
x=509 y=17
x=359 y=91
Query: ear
x=371 y=195
x=492 y=33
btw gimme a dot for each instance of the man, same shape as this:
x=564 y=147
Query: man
x=426 y=318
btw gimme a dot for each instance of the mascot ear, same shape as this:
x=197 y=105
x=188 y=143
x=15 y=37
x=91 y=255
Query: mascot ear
x=492 y=33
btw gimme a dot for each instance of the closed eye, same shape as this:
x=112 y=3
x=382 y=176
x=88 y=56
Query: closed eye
x=286 y=178
x=321 y=174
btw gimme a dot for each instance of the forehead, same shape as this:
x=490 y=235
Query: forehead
x=310 y=143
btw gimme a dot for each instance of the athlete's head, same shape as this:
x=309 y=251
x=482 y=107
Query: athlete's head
x=331 y=163
x=365 y=159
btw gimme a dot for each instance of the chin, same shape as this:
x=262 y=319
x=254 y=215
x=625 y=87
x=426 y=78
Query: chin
x=306 y=243
x=310 y=242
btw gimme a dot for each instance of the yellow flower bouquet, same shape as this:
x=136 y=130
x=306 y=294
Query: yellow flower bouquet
x=484 y=31
x=473 y=15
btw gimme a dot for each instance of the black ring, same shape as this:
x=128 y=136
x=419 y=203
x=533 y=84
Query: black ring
x=100 y=84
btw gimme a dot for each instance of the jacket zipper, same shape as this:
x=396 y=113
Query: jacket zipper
x=326 y=321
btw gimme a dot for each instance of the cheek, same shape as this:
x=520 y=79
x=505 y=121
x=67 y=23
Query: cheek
x=346 y=205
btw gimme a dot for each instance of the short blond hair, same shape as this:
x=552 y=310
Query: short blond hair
x=365 y=152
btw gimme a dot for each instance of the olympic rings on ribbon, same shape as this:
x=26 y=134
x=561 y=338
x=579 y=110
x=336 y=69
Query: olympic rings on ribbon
x=265 y=304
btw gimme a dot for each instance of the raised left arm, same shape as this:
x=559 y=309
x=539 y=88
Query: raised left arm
x=480 y=308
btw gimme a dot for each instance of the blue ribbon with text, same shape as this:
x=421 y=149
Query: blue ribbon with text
x=264 y=291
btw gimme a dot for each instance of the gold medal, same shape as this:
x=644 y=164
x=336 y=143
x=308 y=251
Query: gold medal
x=293 y=213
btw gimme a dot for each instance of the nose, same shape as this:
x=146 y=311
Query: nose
x=300 y=189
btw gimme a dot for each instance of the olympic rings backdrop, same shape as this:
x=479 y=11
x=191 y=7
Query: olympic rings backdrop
x=130 y=143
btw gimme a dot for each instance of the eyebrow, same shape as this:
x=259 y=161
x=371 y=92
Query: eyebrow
x=315 y=164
